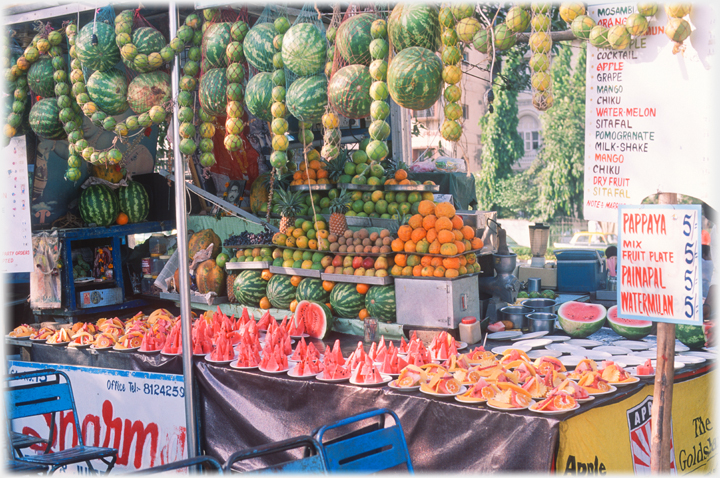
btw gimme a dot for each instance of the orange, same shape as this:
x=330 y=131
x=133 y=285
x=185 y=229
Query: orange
x=436 y=261
x=445 y=236
x=471 y=258
x=457 y=222
x=450 y=273
x=434 y=247
x=418 y=234
x=439 y=271
x=266 y=274
x=405 y=182
x=417 y=271
x=328 y=285
x=323 y=233
x=429 y=220
x=477 y=243
x=426 y=208
x=415 y=221
x=400 y=174
x=315 y=164
x=122 y=219
x=409 y=246
x=451 y=262
x=431 y=235
x=391 y=182
x=401 y=260
x=462 y=270
x=468 y=244
x=295 y=280
x=293 y=305
x=463 y=260
x=413 y=260
x=312 y=174
x=363 y=314
x=445 y=209
x=312 y=244
x=468 y=232
x=407 y=271
x=297 y=175
x=422 y=246
x=302 y=166
x=264 y=303
x=427 y=271
x=448 y=249
x=404 y=232
x=443 y=223
x=362 y=288
x=458 y=235
x=396 y=270
x=425 y=261
x=397 y=245
x=460 y=247
x=322 y=174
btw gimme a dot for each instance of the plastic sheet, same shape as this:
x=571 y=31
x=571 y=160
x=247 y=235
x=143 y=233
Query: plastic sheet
x=45 y=290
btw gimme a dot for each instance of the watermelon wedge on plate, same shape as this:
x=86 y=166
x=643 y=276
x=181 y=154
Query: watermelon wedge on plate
x=316 y=317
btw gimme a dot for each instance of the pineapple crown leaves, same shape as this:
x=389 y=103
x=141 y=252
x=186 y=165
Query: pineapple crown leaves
x=336 y=167
x=341 y=204
x=289 y=203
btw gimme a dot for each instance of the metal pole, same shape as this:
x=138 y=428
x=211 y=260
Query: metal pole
x=182 y=249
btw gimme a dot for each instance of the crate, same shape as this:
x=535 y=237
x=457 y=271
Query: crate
x=436 y=303
x=579 y=270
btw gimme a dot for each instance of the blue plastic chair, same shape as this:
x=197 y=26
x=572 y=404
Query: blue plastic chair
x=312 y=461
x=208 y=462
x=369 y=449
x=39 y=392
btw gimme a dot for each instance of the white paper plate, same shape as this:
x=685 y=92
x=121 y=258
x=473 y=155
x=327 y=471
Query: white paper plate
x=712 y=349
x=583 y=400
x=386 y=379
x=61 y=343
x=584 y=342
x=237 y=367
x=131 y=349
x=633 y=371
x=570 y=360
x=461 y=345
x=79 y=346
x=150 y=352
x=700 y=353
x=566 y=348
x=632 y=344
x=593 y=354
x=330 y=380
x=677 y=365
x=612 y=389
x=220 y=362
x=504 y=335
x=464 y=400
x=535 y=354
x=559 y=338
x=462 y=390
x=403 y=389
x=678 y=348
x=502 y=348
x=533 y=335
x=623 y=384
x=646 y=354
x=509 y=409
x=274 y=371
x=690 y=359
x=293 y=375
x=613 y=350
x=554 y=412
x=171 y=355
x=533 y=343
x=630 y=359
x=100 y=349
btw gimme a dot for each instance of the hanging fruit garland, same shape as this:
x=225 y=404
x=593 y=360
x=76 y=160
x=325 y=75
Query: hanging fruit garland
x=280 y=143
x=235 y=74
x=677 y=28
x=377 y=149
x=330 y=120
x=451 y=56
x=542 y=96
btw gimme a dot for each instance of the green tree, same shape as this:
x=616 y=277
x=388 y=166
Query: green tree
x=502 y=144
x=561 y=157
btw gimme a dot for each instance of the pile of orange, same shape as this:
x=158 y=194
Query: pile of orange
x=436 y=229
x=314 y=172
x=401 y=178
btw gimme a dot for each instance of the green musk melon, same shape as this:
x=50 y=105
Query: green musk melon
x=628 y=328
x=109 y=89
x=581 y=319
x=40 y=77
x=147 y=90
x=307 y=98
x=414 y=24
x=99 y=205
x=258 y=96
x=134 y=201
x=215 y=40
x=346 y=301
x=101 y=56
x=212 y=96
x=349 y=91
x=304 y=49
x=353 y=39
x=380 y=302
x=691 y=335
x=415 y=78
x=316 y=317
x=209 y=277
x=312 y=289
x=280 y=291
x=258 y=46
x=44 y=119
x=201 y=240
x=249 y=287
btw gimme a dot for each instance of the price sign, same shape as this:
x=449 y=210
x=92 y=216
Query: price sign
x=659 y=263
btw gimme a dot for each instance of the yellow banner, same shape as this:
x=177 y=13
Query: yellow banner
x=616 y=438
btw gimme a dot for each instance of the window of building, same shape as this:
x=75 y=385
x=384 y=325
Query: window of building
x=428 y=113
x=465 y=111
x=529 y=130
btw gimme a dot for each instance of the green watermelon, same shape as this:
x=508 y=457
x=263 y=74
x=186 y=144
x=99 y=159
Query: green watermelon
x=258 y=95
x=45 y=119
x=349 y=91
x=580 y=319
x=691 y=335
x=147 y=90
x=307 y=98
x=102 y=56
x=258 y=46
x=414 y=78
x=212 y=92
x=147 y=40
x=346 y=301
x=249 y=288
x=304 y=49
x=312 y=289
x=99 y=205
x=316 y=316
x=40 y=77
x=134 y=201
x=280 y=291
x=215 y=40
x=380 y=302
x=629 y=328
x=109 y=89
x=353 y=39
x=414 y=24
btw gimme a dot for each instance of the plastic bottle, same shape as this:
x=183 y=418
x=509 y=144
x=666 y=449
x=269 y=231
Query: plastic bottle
x=470 y=330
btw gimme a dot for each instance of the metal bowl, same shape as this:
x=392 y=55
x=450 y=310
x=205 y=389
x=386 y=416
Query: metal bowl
x=539 y=305
x=515 y=314
x=541 y=321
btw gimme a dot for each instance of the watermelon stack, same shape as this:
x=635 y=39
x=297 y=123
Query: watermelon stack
x=212 y=95
x=258 y=46
x=346 y=301
x=258 y=96
x=414 y=78
x=215 y=40
x=249 y=288
x=100 y=56
x=280 y=291
x=307 y=98
x=99 y=205
x=312 y=289
x=414 y=24
x=304 y=49
x=349 y=91
x=109 y=90
x=380 y=302
x=44 y=119
x=133 y=200
x=40 y=77
x=353 y=39
x=147 y=90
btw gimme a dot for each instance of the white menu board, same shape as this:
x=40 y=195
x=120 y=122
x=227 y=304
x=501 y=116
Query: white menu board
x=659 y=263
x=16 y=247
x=650 y=114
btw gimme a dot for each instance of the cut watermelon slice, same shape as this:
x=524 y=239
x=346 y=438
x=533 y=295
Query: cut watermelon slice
x=581 y=319
x=316 y=317
x=628 y=328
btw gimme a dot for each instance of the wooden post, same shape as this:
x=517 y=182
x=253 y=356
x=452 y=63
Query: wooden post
x=661 y=437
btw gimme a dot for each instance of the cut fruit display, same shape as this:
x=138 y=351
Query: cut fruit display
x=581 y=319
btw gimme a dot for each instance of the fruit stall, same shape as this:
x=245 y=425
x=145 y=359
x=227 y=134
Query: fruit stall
x=342 y=278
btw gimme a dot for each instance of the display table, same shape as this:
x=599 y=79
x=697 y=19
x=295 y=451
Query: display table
x=460 y=185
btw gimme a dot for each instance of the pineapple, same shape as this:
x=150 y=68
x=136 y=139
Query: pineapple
x=338 y=208
x=336 y=167
x=289 y=204
x=230 y=283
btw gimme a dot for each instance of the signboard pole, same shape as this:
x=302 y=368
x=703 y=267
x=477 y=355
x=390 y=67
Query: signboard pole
x=661 y=437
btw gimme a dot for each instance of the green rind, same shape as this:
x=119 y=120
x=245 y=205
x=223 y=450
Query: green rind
x=414 y=24
x=380 y=302
x=353 y=39
x=102 y=56
x=414 y=78
x=99 y=205
x=349 y=91
x=307 y=98
x=40 y=77
x=690 y=335
x=147 y=90
x=312 y=289
x=215 y=40
x=346 y=301
x=329 y=319
x=258 y=96
x=211 y=94
x=280 y=291
x=134 y=201
x=626 y=330
x=44 y=119
x=249 y=287
x=258 y=46
x=109 y=90
x=578 y=329
x=304 y=49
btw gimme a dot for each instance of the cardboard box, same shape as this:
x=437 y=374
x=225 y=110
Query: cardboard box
x=548 y=276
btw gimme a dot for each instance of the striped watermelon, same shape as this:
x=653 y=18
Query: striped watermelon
x=102 y=56
x=134 y=201
x=304 y=49
x=147 y=90
x=215 y=39
x=249 y=288
x=414 y=24
x=258 y=95
x=109 y=89
x=349 y=91
x=346 y=301
x=312 y=289
x=99 y=205
x=380 y=302
x=414 y=78
x=40 y=77
x=258 y=46
x=147 y=40
x=280 y=291
x=44 y=119
x=316 y=316
x=307 y=98
x=353 y=39
x=212 y=92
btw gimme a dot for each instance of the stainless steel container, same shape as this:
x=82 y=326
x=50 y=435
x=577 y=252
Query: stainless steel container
x=436 y=303
x=515 y=314
x=533 y=284
x=541 y=321
x=539 y=305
